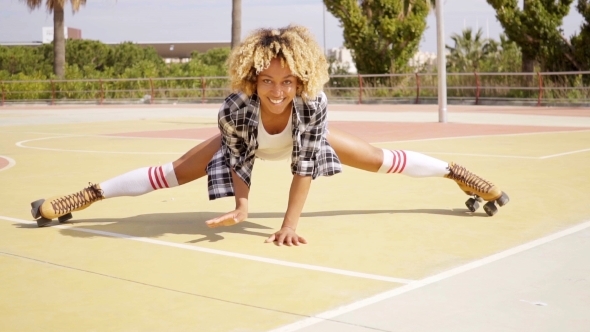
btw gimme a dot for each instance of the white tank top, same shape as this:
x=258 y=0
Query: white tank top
x=278 y=146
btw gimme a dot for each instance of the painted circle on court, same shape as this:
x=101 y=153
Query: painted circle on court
x=6 y=163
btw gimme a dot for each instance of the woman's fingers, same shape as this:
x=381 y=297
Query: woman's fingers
x=286 y=238
x=225 y=220
x=270 y=239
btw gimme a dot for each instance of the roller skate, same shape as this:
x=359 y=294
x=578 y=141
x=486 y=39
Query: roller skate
x=62 y=207
x=478 y=188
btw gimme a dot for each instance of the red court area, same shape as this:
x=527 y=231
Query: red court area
x=3 y=163
x=375 y=132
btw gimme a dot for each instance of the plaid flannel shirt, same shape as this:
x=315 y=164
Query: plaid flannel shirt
x=238 y=121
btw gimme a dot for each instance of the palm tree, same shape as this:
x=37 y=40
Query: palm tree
x=469 y=51
x=59 y=46
x=236 y=22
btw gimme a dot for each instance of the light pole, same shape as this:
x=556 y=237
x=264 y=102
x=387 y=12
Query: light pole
x=442 y=63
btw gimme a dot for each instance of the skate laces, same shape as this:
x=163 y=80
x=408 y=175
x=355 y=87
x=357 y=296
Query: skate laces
x=470 y=180
x=66 y=204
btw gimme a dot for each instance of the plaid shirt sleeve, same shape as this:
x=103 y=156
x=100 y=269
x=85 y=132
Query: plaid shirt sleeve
x=312 y=154
x=234 y=152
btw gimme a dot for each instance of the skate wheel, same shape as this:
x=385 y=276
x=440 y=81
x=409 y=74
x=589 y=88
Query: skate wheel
x=42 y=222
x=65 y=218
x=35 y=207
x=503 y=200
x=472 y=204
x=490 y=208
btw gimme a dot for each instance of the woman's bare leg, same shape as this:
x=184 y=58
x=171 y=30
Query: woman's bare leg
x=187 y=168
x=355 y=152
x=192 y=165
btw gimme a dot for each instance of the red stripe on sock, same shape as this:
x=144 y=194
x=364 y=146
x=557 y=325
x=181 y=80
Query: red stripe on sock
x=157 y=178
x=392 y=162
x=150 y=178
x=163 y=177
x=404 y=161
x=399 y=161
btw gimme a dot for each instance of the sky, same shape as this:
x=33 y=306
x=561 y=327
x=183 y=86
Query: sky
x=113 y=21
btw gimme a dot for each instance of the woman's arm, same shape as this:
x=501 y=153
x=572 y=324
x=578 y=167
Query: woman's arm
x=234 y=149
x=241 y=211
x=297 y=196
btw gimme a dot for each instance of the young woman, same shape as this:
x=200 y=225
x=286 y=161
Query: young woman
x=278 y=111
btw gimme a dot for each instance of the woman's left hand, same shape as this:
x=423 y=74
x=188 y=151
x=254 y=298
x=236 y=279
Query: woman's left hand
x=286 y=235
x=228 y=219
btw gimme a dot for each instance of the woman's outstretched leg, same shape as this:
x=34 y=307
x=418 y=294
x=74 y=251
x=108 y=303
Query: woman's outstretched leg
x=357 y=153
x=187 y=168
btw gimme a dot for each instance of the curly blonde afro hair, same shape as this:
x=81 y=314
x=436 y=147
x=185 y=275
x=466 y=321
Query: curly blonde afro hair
x=293 y=45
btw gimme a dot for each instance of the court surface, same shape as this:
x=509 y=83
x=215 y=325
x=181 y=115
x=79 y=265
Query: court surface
x=385 y=252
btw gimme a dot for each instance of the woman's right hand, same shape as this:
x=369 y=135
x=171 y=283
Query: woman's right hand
x=228 y=219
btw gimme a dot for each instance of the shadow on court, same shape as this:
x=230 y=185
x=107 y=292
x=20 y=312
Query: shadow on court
x=193 y=223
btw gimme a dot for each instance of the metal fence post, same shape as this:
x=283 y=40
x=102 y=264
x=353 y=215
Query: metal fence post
x=152 y=96
x=3 y=94
x=203 y=86
x=101 y=92
x=360 y=89
x=476 y=88
x=52 y=92
x=540 y=79
x=417 y=89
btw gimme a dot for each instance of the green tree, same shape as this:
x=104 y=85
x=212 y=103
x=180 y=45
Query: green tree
x=580 y=43
x=210 y=63
x=57 y=8
x=21 y=59
x=87 y=53
x=127 y=54
x=504 y=56
x=535 y=27
x=470 y=51
x=382 y=34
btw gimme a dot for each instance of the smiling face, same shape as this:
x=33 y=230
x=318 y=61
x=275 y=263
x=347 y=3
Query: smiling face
x=277 y=87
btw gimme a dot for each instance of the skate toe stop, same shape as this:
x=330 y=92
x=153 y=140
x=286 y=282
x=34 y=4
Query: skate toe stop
x=42 y=222
x=35 y=208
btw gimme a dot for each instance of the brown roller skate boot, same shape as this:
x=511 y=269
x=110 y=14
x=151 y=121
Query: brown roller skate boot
x=479 y=188
x=61 y=207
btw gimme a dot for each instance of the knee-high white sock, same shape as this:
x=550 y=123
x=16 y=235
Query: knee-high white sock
x=412 y=164
x=140 y=181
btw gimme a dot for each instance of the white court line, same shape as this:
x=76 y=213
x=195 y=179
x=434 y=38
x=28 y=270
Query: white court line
x=481 y=155
x=225 y=253
x=21 y=145
x=401 y=141
x=117 y=136
x=564 y=154
x=11 y=163
x=328 y=315
x=484 y=136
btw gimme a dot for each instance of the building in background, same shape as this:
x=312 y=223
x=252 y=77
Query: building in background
x=340 y=59
x=175 y=52
x=70 y=33
x=423 y=60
